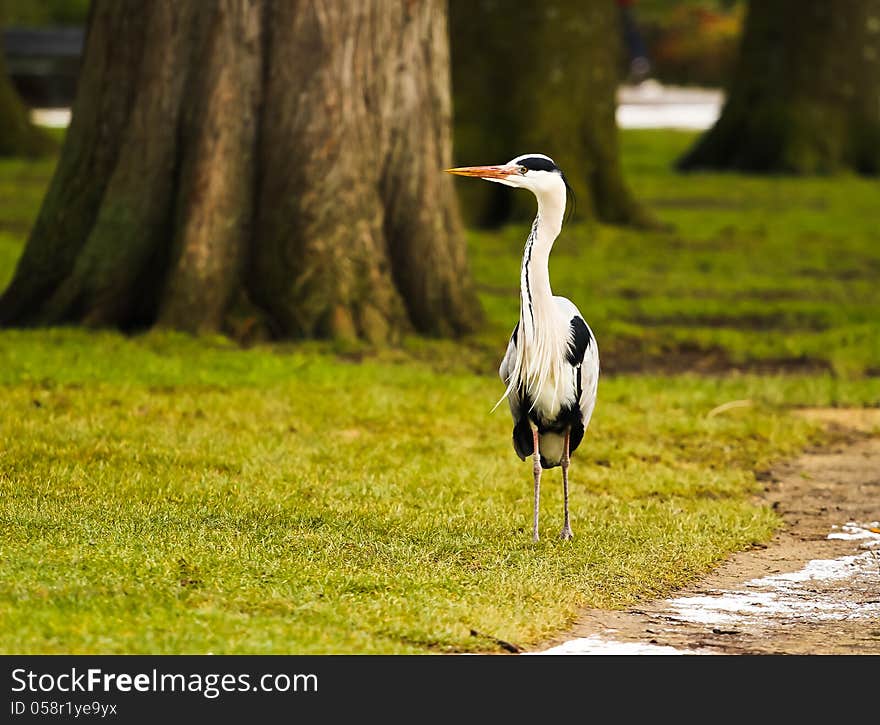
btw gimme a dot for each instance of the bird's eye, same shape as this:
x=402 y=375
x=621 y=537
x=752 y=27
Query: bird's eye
x=523 y=170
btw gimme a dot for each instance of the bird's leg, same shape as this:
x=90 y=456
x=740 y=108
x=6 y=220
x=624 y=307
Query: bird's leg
x=537 y=471
x=566 y=459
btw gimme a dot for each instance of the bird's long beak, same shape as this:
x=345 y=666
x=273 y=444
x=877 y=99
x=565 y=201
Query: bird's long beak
x=485 y=172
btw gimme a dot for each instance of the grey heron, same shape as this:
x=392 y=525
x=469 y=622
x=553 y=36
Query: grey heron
x=551 y=367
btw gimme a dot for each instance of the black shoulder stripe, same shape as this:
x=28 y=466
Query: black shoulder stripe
x=523 y=440
x=580 y=341
x=575 y=436
x=514 y=334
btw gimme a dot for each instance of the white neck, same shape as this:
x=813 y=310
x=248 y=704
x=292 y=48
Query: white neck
x=542 y=342
x=536 y=296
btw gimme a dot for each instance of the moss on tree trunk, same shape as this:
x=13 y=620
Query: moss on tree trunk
x=805 y=96
x=284 y=158
x=537 y=76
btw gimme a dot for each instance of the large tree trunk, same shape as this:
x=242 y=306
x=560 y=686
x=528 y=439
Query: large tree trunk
x=540 y=76
x=18 y=136
x=284 y=157
x=805 y=96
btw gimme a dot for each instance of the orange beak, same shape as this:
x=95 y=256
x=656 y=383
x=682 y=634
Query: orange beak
x=485 y=172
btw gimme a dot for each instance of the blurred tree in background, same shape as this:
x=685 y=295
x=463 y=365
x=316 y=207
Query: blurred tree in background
x=691 y=42
x=805 y=97
x=18 y=136
x=539 y=76
x=246 y=159
x=249 y=163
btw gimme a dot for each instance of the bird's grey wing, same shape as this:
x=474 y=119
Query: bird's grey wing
x=589 y=382
x=583 y=355
x=505 y=370
x=523 y=442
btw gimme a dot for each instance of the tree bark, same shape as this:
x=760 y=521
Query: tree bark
x=18 y=136
x=279 y=158
x=805 y=96
x=538 y=76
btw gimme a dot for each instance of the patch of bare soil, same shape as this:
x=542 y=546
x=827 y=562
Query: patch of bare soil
x=636 y=355
x=805 y=593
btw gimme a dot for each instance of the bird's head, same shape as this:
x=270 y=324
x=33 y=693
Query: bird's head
x=535 y=172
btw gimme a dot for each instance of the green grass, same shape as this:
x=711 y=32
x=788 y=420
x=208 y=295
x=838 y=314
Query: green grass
x=167 y=494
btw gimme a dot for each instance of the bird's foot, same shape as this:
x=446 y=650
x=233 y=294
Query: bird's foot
x=535 y=536
x=567 y=533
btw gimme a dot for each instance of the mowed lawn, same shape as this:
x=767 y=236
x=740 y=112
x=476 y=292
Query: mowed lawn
x=162 y=493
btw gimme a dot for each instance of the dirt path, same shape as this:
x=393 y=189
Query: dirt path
x=815 y=589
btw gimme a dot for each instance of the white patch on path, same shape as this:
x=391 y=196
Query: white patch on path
x=779 y=599
x=652 y=105
x=51 y=117
x=595 y=645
